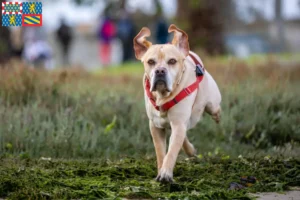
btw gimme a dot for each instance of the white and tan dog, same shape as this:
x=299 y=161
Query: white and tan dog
x=169 y=69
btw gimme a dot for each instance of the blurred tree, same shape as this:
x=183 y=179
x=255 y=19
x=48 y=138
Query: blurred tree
x=159 y=10
x=203 y=21
x=79 y=2
x=5 y=43
x=280 y=24
x=5 y=46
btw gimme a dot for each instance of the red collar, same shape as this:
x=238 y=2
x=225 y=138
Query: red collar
x=181 y=95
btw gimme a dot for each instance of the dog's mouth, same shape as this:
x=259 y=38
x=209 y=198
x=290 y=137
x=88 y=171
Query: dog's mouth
x=160 y=85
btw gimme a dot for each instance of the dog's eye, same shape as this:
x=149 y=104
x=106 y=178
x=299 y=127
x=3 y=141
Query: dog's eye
x=151 y=62
x=172 y=61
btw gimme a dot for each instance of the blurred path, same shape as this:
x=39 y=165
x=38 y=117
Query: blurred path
x=290 y=195
x=84 y=51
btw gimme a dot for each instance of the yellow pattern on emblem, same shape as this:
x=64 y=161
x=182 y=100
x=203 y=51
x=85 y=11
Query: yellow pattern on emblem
x=12 y=20
x=32 y=8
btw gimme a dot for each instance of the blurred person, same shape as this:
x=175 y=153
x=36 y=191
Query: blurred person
x=64 y=36
x=126 y=33
x=37 y=52
x=161 y=34
x=106 y=34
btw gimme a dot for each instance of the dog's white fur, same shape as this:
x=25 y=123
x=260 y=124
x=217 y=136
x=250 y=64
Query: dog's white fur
x=188 y=112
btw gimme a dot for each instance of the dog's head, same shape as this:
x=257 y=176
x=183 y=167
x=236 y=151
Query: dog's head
x=163 y=63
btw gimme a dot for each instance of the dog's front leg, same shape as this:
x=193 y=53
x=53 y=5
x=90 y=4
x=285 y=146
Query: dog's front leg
x=175 y=144
x=159 y=140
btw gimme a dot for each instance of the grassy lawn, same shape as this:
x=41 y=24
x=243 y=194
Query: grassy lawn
x=206 y=178
x=136 y=67
x=94 y=128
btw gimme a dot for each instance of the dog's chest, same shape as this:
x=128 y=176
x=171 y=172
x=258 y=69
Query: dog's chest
x=160 y=120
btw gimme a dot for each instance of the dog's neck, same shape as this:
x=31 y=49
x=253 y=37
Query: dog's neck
x=181 y=82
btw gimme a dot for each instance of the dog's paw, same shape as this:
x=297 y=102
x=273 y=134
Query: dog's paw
x=165 y=176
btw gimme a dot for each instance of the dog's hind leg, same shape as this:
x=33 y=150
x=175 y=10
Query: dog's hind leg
x=188 y=148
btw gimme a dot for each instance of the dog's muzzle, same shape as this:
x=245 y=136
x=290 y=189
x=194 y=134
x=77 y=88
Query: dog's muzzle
x=160 y=79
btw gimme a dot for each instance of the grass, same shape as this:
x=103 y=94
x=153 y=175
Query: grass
x=81 y=119
x=136 y=68
x=207 y=178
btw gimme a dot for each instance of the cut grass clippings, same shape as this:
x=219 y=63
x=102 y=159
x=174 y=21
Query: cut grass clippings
x=206 y=178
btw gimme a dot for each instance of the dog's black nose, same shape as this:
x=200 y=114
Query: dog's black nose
x=160 y=71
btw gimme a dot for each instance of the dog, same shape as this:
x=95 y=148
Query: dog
x=178 y=90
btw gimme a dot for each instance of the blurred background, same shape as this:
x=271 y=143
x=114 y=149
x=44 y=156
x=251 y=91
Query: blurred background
x=85 y=32
x=89 y=100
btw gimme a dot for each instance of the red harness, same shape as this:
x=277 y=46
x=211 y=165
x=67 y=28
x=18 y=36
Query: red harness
x=181 y=95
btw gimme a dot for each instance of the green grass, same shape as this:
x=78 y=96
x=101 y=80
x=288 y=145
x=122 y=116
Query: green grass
x=257 y=59
x=207 y=178
x=130 y=68
x=136 y=68
x=74 y=114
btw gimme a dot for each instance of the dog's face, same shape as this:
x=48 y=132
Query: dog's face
x=163 y=63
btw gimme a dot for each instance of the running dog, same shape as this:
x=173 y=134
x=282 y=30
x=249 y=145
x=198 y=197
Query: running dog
x=177 y=92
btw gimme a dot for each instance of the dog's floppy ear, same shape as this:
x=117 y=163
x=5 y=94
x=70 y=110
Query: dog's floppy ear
x=140 y=43
x=180 y=39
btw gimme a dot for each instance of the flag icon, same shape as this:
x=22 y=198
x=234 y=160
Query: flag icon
x=32 y=7
x=11 y=20
x=32 y=20
x=11 y=8
x=22 y=13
